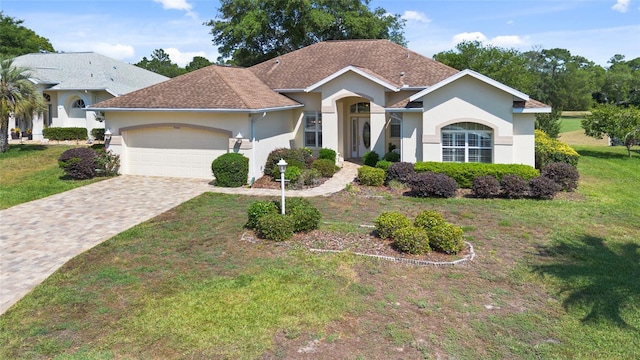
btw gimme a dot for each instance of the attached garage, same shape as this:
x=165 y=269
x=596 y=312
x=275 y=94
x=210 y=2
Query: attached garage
x=177 y=150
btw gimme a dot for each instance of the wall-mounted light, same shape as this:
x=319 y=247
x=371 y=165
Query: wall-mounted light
x=239 y=138
x=107 y=135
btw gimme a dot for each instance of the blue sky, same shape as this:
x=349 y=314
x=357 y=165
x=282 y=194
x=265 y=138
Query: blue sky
x=127 y=30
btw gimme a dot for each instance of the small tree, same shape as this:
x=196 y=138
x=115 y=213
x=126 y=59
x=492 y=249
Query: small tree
x=619 y=124
x=549 y=123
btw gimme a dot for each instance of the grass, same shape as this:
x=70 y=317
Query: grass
x=184 y=286
x=30 y=172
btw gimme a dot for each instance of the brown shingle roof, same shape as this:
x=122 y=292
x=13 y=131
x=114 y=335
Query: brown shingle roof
x=535 y=104
x=304 y=67
x=213 y=87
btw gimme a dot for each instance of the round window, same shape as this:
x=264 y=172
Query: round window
x=366 y=135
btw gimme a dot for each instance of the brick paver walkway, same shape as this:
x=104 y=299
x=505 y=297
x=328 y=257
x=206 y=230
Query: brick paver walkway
x=38 y=237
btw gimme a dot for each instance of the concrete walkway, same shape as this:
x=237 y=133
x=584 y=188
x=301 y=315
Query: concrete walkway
x=38 y=237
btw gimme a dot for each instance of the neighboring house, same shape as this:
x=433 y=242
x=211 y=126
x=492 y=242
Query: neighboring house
x=352 y=96
x=70 y=82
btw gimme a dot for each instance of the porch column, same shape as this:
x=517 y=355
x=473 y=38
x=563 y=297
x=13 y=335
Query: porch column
x=378 y=138
x=329 y=126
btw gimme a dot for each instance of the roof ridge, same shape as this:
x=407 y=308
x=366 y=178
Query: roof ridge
x=231 y=86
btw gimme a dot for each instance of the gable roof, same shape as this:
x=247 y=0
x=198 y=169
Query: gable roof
x=395 y=64
x=366 y=73
x=86 y=71
x=213 y=88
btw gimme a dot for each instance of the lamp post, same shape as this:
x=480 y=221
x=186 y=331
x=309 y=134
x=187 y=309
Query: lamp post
x=282 y=165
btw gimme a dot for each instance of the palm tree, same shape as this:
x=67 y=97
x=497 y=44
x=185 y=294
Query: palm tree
x=18 y=97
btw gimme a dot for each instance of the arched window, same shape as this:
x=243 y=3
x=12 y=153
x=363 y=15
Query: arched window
x=79 y=104
x=467 y=142
x=360 y=108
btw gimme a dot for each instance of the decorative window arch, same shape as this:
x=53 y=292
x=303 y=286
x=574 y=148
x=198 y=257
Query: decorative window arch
x=78 y=104
x=467 y=142
x=360 y=108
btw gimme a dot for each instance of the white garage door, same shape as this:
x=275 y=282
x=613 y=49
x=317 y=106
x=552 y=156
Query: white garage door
x=173 y=151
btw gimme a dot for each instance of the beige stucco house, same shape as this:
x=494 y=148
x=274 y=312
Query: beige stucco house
x=70 y=82
x=352 y=96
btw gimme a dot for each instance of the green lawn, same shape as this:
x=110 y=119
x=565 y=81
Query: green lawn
x=568 y=124
x=553 y=280
x=30 y=172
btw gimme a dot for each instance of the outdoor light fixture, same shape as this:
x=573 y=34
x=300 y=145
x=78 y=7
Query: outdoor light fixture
x=239 y=137
x=282 y=165
x=107 y=135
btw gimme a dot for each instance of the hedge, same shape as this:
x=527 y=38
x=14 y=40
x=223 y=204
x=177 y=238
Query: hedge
x=97 y=133
x=464 y=173
x=66 y=133
x=550 y=150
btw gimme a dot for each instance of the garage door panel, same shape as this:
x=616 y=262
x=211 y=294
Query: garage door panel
x=176 y=152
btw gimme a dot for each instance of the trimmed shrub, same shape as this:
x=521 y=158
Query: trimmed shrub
x=310 y=177
x=66 y=133
x=411 y=240
x=107 y=163
x=370 y=176
x=326 y=167
x=563 y=174
x=513 y=186
x=446 y=238
x=400 y=171
x=297 y=157
x=543 y=188
x=276 y=227
x=390 y=221
x=431 y=184
x=383 y=164
x=275 y=172
x=370 y=158
x=230 y=170
x=392 y=156
x=550 y=150
x=464 y=173
x=259 y=209
x=78 y=163
x=97 y=134
x=328 y=154
x=305 y=216
x=485 y=187
x=428 y=220
x=292 y=174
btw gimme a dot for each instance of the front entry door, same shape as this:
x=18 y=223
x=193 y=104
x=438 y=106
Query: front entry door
x=360 y=136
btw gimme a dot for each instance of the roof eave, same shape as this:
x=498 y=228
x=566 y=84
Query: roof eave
x=357 y=71
x=542 y=110
x=407 y=110
x=219 y=110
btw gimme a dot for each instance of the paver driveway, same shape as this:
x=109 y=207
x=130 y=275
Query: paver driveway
x=38 y=237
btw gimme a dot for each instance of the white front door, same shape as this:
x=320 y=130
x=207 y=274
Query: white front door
x=360 y=136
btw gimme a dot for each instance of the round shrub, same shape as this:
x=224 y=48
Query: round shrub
x=390 y=221
x=306 y=217
x=428 y=220
x=326 y=167
x=563 y=174
x=513 y=186
x=310 y=177
x=485 y=186
x=301 y=158
x=328 y=154
x=392 y=156
x=292 y=174
x=446 y=238
x=411 y=240
x=370 y=158
x=259 y=209
x=432 y=184
x=230 y=170
x=543 y=188
x=383 y=164
x=275 y=172
x=276 y=227
x=78 y=163
x=370 y=176
x=400 y=171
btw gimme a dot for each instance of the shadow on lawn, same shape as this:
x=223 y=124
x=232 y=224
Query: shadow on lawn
x=597 y=275
x=607 y=154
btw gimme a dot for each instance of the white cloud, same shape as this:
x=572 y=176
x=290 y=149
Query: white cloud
x=177 y=5
x=508 y=41
x=184 y=58
x=418 y=16
x=116 y=51
x=621 y=6
x=472 y=36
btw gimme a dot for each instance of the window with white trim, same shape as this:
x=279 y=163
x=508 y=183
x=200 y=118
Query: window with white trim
x=395 y=125
x=467 y=142
x=360 y=108
x=313 y=129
